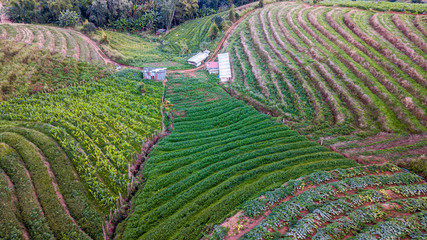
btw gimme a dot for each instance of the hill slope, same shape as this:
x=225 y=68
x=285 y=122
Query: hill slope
x=27 y=70
x=66 y=155
x=336 y=74
x=220 y=153
x=56 y=40
x=369 y=202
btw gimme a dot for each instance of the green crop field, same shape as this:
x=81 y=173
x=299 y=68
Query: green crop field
x=54 y=39
x=320 y=133
x=343 y=203
x=135 y=50
x=67 y=154
x=337 y=75
x=220 y=153
x=27 y=70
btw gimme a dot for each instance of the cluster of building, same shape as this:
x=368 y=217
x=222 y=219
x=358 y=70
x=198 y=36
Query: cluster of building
x=222 y=68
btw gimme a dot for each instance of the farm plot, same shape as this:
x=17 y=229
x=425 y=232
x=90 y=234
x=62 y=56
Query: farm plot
x=54 y=39
x=220 y=153
x=193 y=35
x=66 y=155
x=138 y=51
x=369 y=202
x=334 y=73
x=27 y=70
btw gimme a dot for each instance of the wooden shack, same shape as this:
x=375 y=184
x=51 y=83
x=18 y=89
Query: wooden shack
x=198 y=59
x=154 y=73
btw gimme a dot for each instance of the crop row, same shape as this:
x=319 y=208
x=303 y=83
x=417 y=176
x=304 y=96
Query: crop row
x=75 y=146
x=326 y=50
x=323 y=208
x=220 y=152
x=57 y=40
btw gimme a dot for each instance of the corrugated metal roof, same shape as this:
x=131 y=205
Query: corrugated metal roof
x=224 y=65
x=199 y=57
x=212 y=65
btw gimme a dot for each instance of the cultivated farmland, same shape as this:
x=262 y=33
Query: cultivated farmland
x=54 y=39
x=85 y=156
x=26 y=70
x=220 y=153
x=337 y=74
x=338 y=204
x=68 y=156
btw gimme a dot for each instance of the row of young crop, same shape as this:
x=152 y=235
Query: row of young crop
x=76 y=146
x=355 y=70
x=220 y=152
x=57 y=40
x=368 y=193
x=380 y=6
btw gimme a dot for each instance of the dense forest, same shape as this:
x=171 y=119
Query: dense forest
x=142 y=15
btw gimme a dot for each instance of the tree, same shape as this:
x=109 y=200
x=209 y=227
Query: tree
x=88 y=27
x=167 y=12
x=68 y=18
x=232 y=14
x=261 y=4
x=213 y=31
x=218 y=21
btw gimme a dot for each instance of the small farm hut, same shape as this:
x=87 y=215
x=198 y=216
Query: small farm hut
x=198 y=59
x=154 y=73
x=212 y=67
x=224 y=67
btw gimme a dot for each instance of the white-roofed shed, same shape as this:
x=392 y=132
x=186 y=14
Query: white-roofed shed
x=224 y=67
x=198 y=59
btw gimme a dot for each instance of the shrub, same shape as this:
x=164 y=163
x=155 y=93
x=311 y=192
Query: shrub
x=218 y=21
x=68 y=18
x=88 y=27
x=213 y=31
x=104 y=38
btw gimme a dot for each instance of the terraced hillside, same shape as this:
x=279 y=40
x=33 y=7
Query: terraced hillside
x=220 y=153
x=138 y=51
x=369 y=202
x=337 y=74
x=57 y=40
x=66 y=157
x=26 y=70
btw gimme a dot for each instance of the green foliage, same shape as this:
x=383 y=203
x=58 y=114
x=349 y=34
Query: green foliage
x=220 y=153
x=140 y=51
x=193 y=33
x=148 y=21
x=232 y=14
x=68 y=18
x=88 y=27
x=30 y=212
x=100 y=126
x=104 y=38
x=417 y=165
x=27 y=70
x=324 y=205
x=213 y=32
